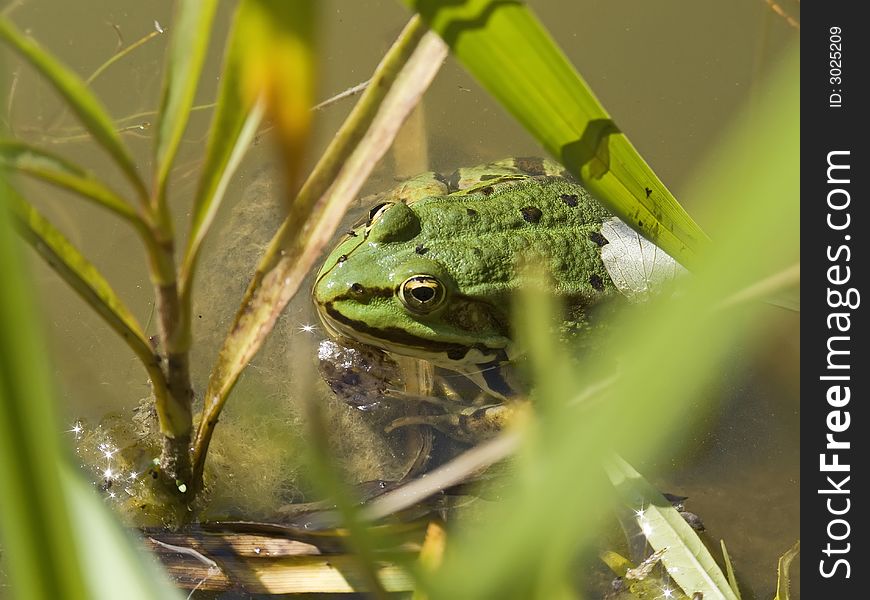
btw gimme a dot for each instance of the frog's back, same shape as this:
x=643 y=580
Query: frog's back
x=484 y=230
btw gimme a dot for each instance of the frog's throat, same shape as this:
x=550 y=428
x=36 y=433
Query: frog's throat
x=452 y=355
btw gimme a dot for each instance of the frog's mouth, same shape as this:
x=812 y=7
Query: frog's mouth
x=452 y=355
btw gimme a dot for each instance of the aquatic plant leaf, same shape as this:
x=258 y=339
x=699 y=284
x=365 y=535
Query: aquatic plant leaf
x=60 y=539
x=78 y=98
x=729 y=571
x=281 y=269
x=81 y=275
x=509 y=52
x=23 y=158
x=783 y=579
x=191 y=30
x=686 y=558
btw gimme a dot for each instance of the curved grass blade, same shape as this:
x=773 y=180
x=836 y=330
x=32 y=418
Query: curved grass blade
x=684 y=555
x=47 y=519
x=82 y=276
x=402 y=78
x=513 y=56
x=190 y=37
x=23 y=158
x=79 y=99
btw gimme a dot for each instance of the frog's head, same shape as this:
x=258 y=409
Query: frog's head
x=381 y=286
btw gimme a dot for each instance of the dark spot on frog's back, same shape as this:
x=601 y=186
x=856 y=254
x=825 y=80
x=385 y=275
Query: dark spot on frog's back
x=596 y=282
x=598 y=239
x=487 y=190
x=531 y=165
x=531 y=214
x=471 y=212
x=569 y=199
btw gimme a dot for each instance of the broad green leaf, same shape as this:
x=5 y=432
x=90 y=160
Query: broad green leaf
x=79 y=99
x=190 y=34
x=513 y=56
x=783 y=579
x=684 y=555
x=81 y=275
x=53 y=547
x=48 y=167
x=316 y=212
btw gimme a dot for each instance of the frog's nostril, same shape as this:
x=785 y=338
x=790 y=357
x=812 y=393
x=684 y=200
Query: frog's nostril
x=357 y=289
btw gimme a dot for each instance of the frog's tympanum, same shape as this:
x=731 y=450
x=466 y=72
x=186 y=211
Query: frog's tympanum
x=430 y=273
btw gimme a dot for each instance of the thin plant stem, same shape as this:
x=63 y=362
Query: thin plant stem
x=121 y=54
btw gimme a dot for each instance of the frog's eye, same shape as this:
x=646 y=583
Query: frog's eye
x=377 y=210
x=422 y=293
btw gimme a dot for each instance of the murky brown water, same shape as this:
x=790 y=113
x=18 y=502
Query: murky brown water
x=671 y=73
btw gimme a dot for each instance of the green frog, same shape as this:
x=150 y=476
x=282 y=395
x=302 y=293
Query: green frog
x=431 y=271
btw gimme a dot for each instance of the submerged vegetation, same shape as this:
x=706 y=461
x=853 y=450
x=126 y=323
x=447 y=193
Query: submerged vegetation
x=566 y=470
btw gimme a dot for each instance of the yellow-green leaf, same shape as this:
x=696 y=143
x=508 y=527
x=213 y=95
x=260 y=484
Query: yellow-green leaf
x=512 y=55
x=190 y=35
x=80 y=274
x=23 y=158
